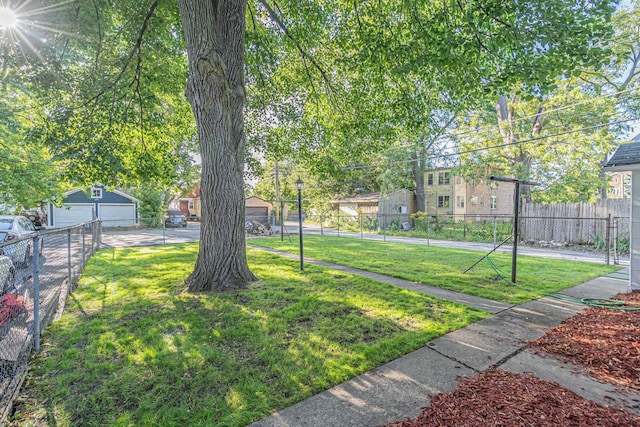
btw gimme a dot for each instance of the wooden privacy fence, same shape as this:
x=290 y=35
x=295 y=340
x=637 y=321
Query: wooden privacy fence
x=573 y=223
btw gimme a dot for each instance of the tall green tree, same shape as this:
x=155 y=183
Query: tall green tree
x=329 y=77
x=561 y=137
x=558 y=141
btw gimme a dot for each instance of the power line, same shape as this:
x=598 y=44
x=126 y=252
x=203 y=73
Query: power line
x=545 y=112
x=476 y=150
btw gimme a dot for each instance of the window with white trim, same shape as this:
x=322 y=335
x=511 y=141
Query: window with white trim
x=96 y=193
x=494 y=202
x=460 y=201
x=444 y=178
x=443 y=201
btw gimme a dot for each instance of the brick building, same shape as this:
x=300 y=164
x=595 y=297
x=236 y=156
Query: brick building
x=619 y=185
x=449 y=194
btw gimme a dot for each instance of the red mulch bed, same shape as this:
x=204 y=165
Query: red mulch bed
x=502 y=398
x=605 y=341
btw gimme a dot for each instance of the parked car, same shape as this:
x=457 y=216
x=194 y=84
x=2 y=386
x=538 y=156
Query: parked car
x=37 y=218
x=13 y=228
x=7 y=274
x=175 y=218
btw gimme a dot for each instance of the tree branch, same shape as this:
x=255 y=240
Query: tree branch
x=276 y=19
x=134 y=50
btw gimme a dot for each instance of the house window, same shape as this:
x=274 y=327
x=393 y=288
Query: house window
x=96 y=193
x=460 y=201
x=190 y=204
x=402 y=209
x=494 y=202
x=615 y=191
x=443 y=201
x=443 y=178
x=430 y=178
x=615 y=180
x=458 y=180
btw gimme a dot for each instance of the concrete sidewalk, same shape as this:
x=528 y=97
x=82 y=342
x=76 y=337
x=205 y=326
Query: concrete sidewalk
x=397 y=390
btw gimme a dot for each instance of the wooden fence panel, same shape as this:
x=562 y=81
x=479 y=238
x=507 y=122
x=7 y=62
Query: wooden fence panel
x=573 y=223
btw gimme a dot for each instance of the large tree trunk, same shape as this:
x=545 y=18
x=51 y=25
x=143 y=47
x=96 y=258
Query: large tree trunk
x=520 y=160
x=214 y=34
x=418 y=170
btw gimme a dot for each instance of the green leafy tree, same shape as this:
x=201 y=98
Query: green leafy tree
x=560 y=139
x=326 y=81
x=153 y=204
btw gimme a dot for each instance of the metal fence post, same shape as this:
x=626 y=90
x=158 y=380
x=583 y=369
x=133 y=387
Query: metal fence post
x=36 y=294
x=94 y=238
x=384 y=227
x=99 y=234
x=361 y=231
x=69 y=256
x=338 y=225
x=84 y=255
x=614 y=237
x=321 y=225
x=608 y=238
x=464 y=230
x=428 y=229
x=495 y=231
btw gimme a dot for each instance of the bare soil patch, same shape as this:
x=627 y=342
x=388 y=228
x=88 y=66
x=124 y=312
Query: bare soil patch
x=605 y=342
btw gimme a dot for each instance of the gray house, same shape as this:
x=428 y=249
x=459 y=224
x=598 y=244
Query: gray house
x=115 y=208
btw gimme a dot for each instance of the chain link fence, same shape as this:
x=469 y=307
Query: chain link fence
x=37 y=272
x=603 y=240
x=620 y=238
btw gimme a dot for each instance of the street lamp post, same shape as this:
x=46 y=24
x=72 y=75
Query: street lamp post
x=299 y=185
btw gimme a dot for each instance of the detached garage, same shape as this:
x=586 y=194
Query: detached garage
x=115 y=208
x=257 y=209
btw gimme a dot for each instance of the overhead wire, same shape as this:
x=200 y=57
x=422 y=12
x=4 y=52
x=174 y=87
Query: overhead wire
x=480 y=149
x=543 y=113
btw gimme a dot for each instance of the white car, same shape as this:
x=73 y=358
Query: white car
x=13 y=227
x=7 y=274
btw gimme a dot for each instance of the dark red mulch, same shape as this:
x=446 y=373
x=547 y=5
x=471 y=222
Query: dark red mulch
x=501 y=398
x=605 y=341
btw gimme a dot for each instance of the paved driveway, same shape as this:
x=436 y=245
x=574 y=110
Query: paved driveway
x=151 y=236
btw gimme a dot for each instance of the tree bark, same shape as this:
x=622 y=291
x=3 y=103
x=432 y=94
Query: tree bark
x=214 y=33
x=520 y=159
x=418 y=170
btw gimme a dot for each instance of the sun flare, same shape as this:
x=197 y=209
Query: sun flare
x=8 y=18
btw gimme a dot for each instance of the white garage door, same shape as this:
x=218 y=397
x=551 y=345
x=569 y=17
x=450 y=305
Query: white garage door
x=72 y=214
x=117 y=215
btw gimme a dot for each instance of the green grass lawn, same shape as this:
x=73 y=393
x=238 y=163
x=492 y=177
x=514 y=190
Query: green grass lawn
x=443 y=267
x=134 y=348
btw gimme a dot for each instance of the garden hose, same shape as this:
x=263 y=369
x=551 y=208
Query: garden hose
x=593 y=302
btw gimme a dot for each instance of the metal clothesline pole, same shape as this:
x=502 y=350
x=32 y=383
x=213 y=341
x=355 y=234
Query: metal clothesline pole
x=516 y=218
